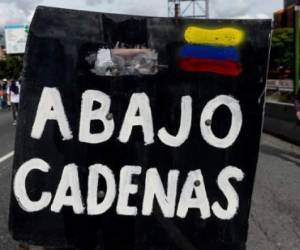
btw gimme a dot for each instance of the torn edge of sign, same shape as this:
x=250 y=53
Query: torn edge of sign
x=124 y=61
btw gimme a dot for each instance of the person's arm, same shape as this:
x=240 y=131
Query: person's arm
x=297 y=105
x=8 y=94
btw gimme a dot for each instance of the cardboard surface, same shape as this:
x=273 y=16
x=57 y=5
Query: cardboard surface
x=68 y=55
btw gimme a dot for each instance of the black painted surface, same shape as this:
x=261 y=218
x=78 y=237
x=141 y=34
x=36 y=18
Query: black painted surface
x=59 y=41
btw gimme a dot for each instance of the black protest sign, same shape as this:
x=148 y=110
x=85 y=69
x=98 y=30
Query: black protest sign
x=138 y=133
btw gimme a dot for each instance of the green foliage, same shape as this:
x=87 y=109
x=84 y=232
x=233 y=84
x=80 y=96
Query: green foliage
x=11 y=67
x=282 y=52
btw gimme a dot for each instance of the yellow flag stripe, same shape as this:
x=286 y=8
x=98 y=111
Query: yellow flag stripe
x=222 y=36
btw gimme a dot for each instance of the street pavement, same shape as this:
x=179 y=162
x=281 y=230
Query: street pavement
x=275 y=213
x=7 y=134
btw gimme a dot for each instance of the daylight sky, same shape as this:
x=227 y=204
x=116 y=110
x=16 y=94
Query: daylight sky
x=21 y=11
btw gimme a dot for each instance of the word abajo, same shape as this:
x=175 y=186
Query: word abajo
x=138 y=114
x=192 y=196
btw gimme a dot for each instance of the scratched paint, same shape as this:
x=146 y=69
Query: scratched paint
x=124 y=61
x=223 y=36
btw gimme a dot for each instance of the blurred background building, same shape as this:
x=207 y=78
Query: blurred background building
x=2 y=53
x=290 y=2
x=286 y=17
x=2 y=46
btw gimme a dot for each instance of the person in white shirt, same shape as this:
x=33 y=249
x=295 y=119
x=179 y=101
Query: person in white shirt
x=13 y=92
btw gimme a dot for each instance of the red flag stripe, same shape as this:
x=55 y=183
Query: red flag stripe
x=223 y=67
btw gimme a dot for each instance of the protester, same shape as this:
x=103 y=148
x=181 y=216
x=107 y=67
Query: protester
x=1 y=94
x=13 y=91
x=4 y=94
x=297 y=106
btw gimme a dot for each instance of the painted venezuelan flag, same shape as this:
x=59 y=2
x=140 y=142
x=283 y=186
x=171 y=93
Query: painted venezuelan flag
x=212 y=50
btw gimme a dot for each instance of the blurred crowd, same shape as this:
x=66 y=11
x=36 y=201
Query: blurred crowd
x=297 y=105
x=10 y=96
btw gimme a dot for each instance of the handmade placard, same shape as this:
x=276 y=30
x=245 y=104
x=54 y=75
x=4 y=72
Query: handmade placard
x=138 y=132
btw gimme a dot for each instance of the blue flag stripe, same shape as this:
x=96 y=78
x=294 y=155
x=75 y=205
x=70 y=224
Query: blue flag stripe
x=210 y=52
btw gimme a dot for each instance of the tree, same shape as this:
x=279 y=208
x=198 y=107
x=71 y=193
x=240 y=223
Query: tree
x=11 y=67
x=282 y=51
